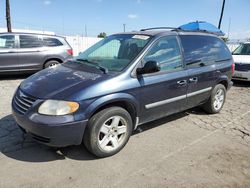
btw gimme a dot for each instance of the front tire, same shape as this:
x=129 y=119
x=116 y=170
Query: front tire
x=216 y=100
x=108 y=131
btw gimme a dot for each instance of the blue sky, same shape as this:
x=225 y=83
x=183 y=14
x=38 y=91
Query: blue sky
x=71 y=16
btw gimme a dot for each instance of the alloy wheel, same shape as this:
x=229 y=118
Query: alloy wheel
x=219 y=99
x=112 y=133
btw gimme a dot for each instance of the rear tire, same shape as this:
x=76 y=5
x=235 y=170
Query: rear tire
x=108 y=131
x=51 y=63
x=216 y=100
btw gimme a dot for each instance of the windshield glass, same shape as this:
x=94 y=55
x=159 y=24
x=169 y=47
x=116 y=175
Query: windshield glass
x=243 y=49
x=114 y=52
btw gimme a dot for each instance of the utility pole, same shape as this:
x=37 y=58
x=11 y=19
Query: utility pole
x=86 y=30
x=229 y=27
x=221 y=14
x=124 y=27
x=8 y=16
x=63 y=25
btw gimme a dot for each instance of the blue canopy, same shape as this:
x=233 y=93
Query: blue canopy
x=202 y=26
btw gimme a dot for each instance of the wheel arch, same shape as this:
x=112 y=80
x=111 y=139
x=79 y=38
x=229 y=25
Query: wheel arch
x=52 y=59
x=126 y=101
x=224 y=81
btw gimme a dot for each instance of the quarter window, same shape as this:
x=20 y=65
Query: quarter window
x=203 y=50
x=7 y=41
x=166 y=53
x=27 y=41
x=51 y=42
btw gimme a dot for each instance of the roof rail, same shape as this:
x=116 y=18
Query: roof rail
x=154 y=28
x=198 y=31
x=179 y=30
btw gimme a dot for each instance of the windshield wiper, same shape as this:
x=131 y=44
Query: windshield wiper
x=103 y=69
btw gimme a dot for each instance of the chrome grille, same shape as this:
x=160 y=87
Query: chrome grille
x=22 y=102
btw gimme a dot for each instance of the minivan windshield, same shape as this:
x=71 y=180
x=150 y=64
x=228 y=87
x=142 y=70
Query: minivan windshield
x=115 y=52
x=243 y=49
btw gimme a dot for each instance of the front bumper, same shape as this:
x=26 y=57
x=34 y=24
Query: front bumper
x=55 y=135
x=241 y=75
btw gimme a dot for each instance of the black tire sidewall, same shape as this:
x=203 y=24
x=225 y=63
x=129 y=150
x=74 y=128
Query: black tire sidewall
x=48 y=63
x=94 y=125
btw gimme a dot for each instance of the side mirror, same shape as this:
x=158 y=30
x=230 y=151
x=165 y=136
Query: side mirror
x=149 y=67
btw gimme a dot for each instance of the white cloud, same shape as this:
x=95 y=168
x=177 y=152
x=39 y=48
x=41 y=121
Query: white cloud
x=47 y=2
x=132 y=16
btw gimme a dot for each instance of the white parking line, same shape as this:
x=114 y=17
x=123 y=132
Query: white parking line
x=179 y=150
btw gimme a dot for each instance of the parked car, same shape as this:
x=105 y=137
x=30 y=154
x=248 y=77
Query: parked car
x=241 y=56
x=121 y=82
x=25 y=52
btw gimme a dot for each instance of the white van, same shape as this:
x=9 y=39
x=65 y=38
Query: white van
x=241 y=56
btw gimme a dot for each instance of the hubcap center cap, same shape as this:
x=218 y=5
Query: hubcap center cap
x=112 y=131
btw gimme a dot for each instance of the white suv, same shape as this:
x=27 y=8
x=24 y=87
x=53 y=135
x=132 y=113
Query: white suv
x=241 y=56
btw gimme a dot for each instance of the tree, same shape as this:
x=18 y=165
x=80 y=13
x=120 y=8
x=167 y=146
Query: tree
x=8 y=16
x=225 y=39
x=102 y=35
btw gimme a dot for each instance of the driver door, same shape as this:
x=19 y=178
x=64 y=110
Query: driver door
x=164 y=92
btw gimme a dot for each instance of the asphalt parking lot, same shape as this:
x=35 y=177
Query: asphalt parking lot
x=189 y=149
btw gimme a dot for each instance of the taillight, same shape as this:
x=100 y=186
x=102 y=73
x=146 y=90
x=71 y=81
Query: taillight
x=233 y=68
x=70 y=52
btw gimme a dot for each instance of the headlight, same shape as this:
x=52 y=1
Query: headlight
x=55 y=107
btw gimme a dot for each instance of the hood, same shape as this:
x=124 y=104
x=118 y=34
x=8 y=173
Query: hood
x=241 y=58
x=58 y=81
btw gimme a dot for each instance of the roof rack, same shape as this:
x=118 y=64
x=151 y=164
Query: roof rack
x=154 y=28
x=30 y=33
x=179 y=30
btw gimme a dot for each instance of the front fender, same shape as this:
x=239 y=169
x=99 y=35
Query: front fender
x=108 y=99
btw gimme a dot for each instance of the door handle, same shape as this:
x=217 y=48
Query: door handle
x=194 y=79
x=11 y=51
x=182 y=82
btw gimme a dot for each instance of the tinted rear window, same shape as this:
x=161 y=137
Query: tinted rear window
x=51 y=42
x=30 y=41
x=203 y=49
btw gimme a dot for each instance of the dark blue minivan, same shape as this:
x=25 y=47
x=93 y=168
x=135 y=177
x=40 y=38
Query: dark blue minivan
x=123 y=81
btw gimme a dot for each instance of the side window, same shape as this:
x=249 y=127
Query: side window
x=51 y=42
x=30 y=41
x=203 y=49
x=167 y=53
x=113 y=46
x=7 y=41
